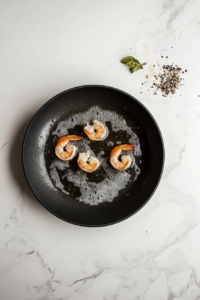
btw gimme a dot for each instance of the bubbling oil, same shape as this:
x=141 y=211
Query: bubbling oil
x=113 y=181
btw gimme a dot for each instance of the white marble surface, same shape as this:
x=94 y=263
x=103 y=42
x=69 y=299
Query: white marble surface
x=49 y=46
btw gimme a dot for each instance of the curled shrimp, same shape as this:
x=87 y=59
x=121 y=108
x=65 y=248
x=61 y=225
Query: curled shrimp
x=95 y=132
x=87 y=163
x=126 y=160
x=64 y=150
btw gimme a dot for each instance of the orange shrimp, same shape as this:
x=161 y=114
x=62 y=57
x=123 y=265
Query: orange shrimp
x=64 y=150
x=87 y=163
x=126 y=160
x=95 y=132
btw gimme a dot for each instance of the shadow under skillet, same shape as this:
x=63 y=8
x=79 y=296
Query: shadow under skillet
x=15 y=156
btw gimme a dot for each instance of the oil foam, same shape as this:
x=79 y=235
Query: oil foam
x=91 y=192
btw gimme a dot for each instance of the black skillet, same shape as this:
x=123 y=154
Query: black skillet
x=128 y=202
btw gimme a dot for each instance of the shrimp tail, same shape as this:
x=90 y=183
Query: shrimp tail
x=74 y=137
x=127 y=147
x=118 y=149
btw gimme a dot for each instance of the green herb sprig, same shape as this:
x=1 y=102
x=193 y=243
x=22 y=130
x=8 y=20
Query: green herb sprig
x=132 y=63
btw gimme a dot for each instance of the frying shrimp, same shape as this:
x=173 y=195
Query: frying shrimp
x=126 y=160
x=95 y=132
x=87 y=163
x=64 y=150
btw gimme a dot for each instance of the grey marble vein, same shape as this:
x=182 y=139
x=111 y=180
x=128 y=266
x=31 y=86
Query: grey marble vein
x=176 y=8
x=89 y=277
x=3 y=146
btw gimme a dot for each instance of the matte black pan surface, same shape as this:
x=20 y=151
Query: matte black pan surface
x=129 y=201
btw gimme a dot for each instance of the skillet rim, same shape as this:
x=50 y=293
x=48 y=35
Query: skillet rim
x=88 y=86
